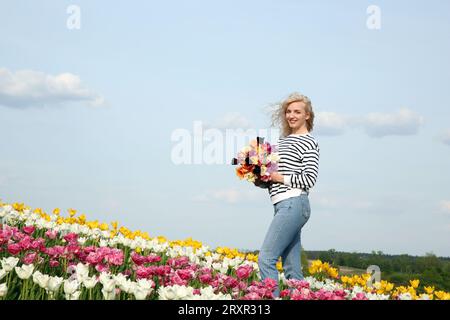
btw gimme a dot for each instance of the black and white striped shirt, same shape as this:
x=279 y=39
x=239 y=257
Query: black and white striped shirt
x=299 y=164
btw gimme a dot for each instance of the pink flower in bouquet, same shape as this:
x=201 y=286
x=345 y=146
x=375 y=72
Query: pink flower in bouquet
x=28 y=230
x=243 y=272
x=256 y=161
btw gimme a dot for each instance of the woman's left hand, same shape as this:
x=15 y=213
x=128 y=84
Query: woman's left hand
x=276 y=177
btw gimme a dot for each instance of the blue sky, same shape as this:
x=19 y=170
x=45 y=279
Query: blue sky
x=87 y=115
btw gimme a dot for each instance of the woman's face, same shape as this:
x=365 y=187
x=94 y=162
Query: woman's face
x=296 y=115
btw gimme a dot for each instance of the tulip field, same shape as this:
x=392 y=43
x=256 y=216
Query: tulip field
x=54 y=256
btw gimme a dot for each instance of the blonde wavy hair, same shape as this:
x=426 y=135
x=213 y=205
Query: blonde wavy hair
x=278 y=116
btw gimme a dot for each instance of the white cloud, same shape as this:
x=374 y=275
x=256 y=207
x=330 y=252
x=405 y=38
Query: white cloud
x=29 y=88
x=403 y=122
x=331 y=123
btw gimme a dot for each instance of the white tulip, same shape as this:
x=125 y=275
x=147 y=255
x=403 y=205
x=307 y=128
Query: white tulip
x=145 y=284
x=74 y=296
x=405 y=296
x=70 y=286
x=81 y=271
x=183 y=292
x=54 y=283
x=166 y=293
x=109 y=295
x=107 y=282
x=9 y=263
x=90 y=283
x=103 y=243
x=141 y=293
x=3 y=290
x=3 y=273
x=25 y=271
x=41 y=279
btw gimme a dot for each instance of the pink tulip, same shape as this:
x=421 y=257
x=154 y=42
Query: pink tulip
x=243 y=272
x=231 y=282
x=205 y=278
x=38 y=244
x=25 y=243
x=153 y=258
x=285 y=293
x=251 y=296
x=360 y=296
x=138 y=259
x=101 y=267
x=29 y=258
x=143 y=272
x=185 y=274
x=54 y=263
x=71 y=237
x=29 y=230
x=14 y=249
x=51 y=234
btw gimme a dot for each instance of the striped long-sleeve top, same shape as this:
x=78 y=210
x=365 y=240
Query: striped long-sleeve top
x=299 y=164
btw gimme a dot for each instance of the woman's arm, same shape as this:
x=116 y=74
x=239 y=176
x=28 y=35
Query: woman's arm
x=307 y=178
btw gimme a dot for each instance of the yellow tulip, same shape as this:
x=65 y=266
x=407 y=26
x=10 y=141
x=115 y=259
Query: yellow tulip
x=429 y=290
x=414 y=283
x=56 y=211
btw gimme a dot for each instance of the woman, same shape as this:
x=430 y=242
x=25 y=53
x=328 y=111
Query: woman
x=297 y=173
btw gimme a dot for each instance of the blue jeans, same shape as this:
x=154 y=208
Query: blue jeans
x=283 y=239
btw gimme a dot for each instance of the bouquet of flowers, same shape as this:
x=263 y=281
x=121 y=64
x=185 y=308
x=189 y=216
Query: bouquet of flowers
x=256 y=162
